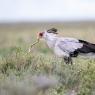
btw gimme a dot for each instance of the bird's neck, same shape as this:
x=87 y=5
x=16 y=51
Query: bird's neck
x=51 y=40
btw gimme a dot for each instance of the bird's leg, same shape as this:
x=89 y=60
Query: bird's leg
x=68 y=60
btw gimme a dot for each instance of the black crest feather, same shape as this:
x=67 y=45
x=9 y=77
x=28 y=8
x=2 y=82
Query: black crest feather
x=52 y=30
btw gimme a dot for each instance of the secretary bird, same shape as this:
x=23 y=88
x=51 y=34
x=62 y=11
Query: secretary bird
x=66 y=47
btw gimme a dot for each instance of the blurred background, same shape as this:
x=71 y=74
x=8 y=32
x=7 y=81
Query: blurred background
x=23 y=19
x=12 y=11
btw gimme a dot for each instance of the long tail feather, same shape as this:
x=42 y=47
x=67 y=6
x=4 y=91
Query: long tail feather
x=87 y=47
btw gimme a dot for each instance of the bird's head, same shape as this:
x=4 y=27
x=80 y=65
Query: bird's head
x=47 y=32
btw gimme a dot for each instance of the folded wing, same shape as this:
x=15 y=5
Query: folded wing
x=69 y=45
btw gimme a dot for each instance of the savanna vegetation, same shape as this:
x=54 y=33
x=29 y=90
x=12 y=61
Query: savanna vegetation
x=24 y=73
